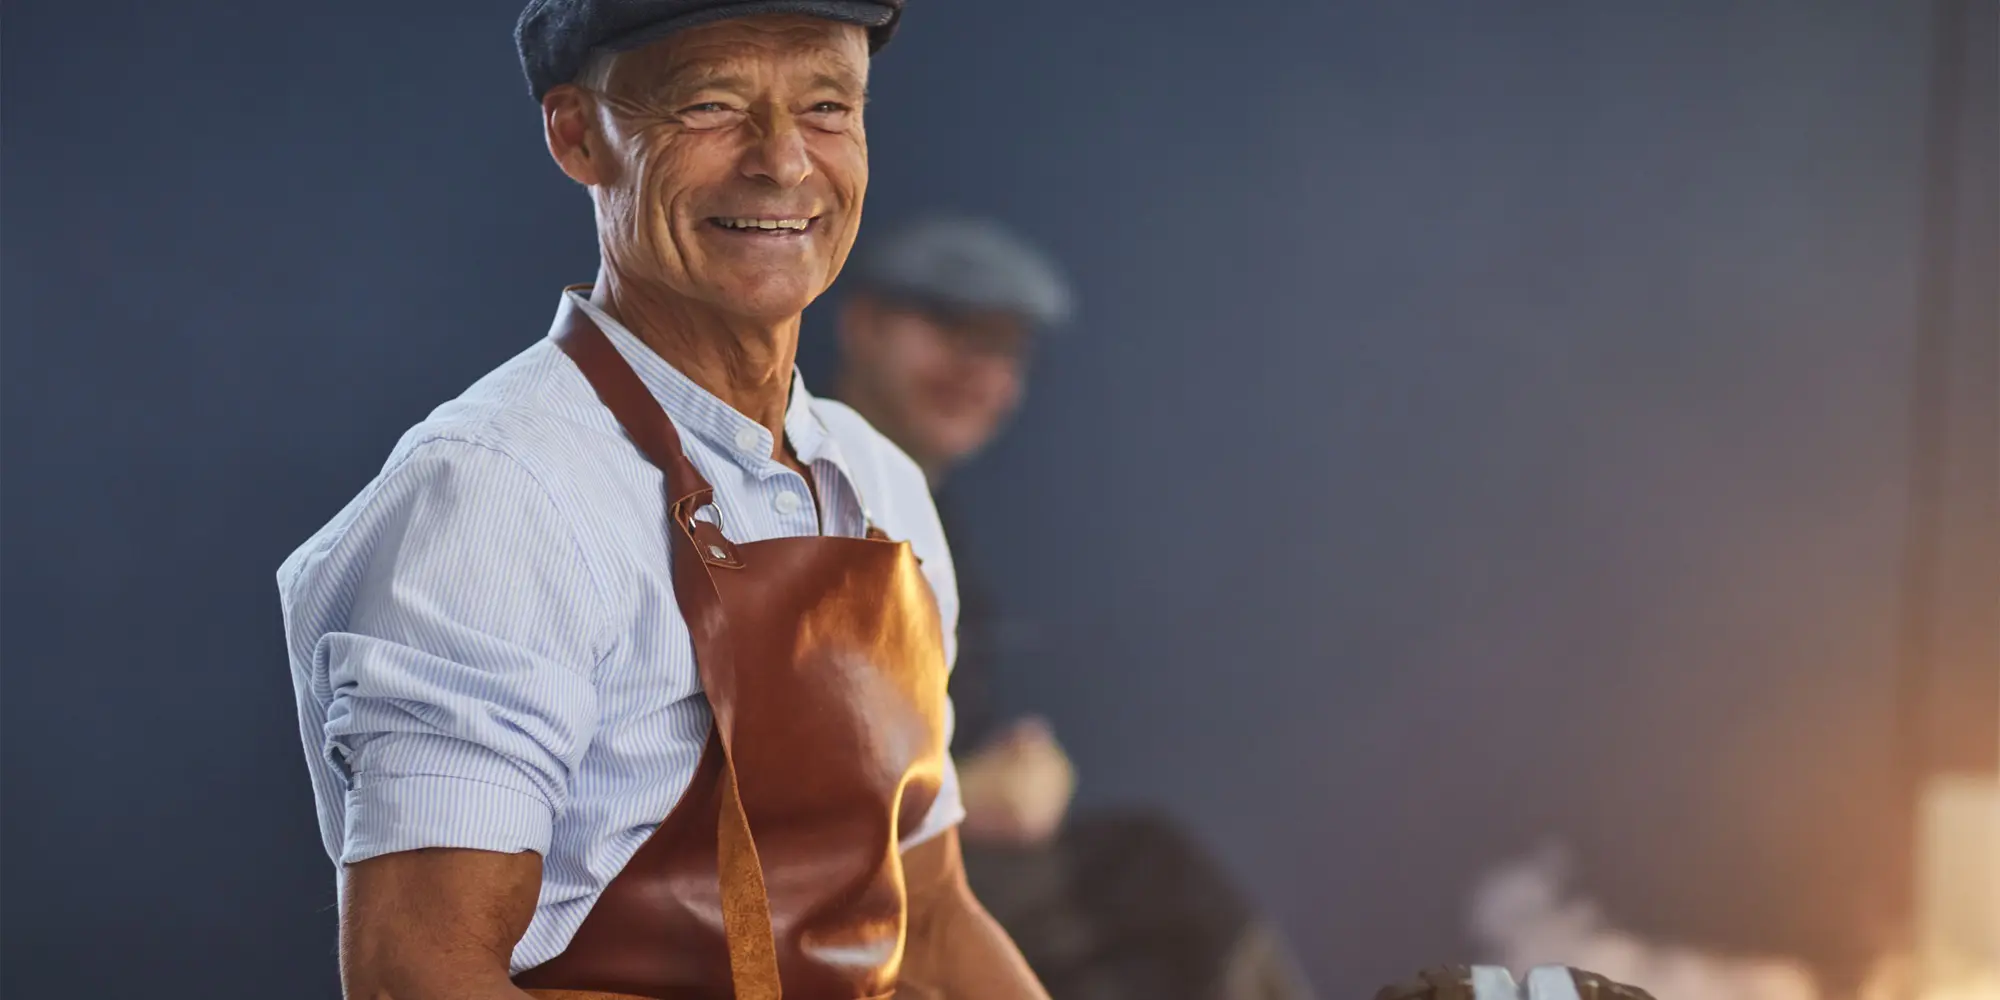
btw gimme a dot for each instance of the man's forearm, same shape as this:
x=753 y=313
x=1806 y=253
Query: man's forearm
x=437 y=924
x=411 y=974
x=955 y=948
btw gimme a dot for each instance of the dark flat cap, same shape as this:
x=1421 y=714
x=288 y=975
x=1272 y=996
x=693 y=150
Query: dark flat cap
x=557 y=37
x=953 y=262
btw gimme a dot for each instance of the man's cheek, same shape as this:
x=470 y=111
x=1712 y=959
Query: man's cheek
x=655 y=224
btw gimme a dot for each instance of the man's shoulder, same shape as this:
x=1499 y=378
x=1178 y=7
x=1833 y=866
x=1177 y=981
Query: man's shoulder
x=869 y=450
x=845 y=423
x=531 y=418
x=891 y=483
x=535 y=407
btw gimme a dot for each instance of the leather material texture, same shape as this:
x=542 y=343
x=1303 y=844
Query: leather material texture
x=780 y=869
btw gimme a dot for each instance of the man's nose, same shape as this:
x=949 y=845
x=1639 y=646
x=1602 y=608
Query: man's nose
x=778 y=154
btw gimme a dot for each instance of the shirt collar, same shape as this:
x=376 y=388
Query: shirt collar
x=701 y=413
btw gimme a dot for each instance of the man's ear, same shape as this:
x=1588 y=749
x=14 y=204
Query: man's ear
x=569 y=123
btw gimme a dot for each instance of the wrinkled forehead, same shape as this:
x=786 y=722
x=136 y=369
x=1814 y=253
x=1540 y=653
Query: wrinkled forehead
x=751 y=53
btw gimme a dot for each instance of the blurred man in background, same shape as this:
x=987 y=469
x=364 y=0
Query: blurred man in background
x=935 y=340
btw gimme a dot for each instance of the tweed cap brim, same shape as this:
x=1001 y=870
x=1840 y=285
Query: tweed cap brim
x=555 y=38
x=953 y=263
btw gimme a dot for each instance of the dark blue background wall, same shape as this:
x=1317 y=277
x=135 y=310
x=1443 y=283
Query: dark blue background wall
x=1485 y=421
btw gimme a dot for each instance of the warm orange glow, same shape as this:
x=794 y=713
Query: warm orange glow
x=1898 y=980
x=1958 y=898
x=1524 y=915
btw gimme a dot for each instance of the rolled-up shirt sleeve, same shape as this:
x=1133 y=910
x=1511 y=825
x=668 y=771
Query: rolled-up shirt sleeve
x=465 y=626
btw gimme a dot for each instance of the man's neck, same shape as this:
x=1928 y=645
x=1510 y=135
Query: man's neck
x=744 y=363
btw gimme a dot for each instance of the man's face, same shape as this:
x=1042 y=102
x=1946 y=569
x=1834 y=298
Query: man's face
x=735 y=162
x=940 y=386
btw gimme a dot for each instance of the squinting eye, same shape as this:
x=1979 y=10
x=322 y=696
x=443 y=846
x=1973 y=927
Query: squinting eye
x=830 y=114
x=706 y=115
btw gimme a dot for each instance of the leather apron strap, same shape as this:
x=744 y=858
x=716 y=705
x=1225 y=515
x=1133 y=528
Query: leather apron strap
x=698 y=548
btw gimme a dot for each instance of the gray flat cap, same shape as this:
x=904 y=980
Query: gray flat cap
x=556 y=37
x=954 y=262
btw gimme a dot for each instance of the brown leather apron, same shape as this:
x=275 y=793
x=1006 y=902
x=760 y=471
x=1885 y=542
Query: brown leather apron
x=823 y=662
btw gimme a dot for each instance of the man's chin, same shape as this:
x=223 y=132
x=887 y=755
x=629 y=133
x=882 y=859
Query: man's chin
x=763 y=302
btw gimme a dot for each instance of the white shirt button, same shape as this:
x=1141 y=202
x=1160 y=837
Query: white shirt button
x=746 y=438
x=787 y=502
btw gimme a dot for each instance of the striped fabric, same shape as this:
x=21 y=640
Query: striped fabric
x=485 y=643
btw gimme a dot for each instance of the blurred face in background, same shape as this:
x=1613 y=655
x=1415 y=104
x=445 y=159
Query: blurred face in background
x=940 y=385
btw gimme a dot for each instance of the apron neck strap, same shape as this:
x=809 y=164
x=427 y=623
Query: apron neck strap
x=631 y=403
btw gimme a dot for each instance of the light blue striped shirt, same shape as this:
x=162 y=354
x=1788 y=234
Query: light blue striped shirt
x=485 y=643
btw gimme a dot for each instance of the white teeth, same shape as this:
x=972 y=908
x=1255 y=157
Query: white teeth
x=799 y=224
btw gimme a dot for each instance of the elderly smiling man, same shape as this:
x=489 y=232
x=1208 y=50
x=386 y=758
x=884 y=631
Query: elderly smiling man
x=626 y=676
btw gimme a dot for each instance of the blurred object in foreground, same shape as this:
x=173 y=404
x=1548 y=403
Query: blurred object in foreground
x=1494 y=982
x=1897 y=978
x=1522 y=915
x=1958 y=887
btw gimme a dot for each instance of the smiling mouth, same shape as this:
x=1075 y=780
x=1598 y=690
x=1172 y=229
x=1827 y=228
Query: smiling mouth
x=764 y=227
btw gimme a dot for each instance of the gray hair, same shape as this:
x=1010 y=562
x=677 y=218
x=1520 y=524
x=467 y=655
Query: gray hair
x=596 y=72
